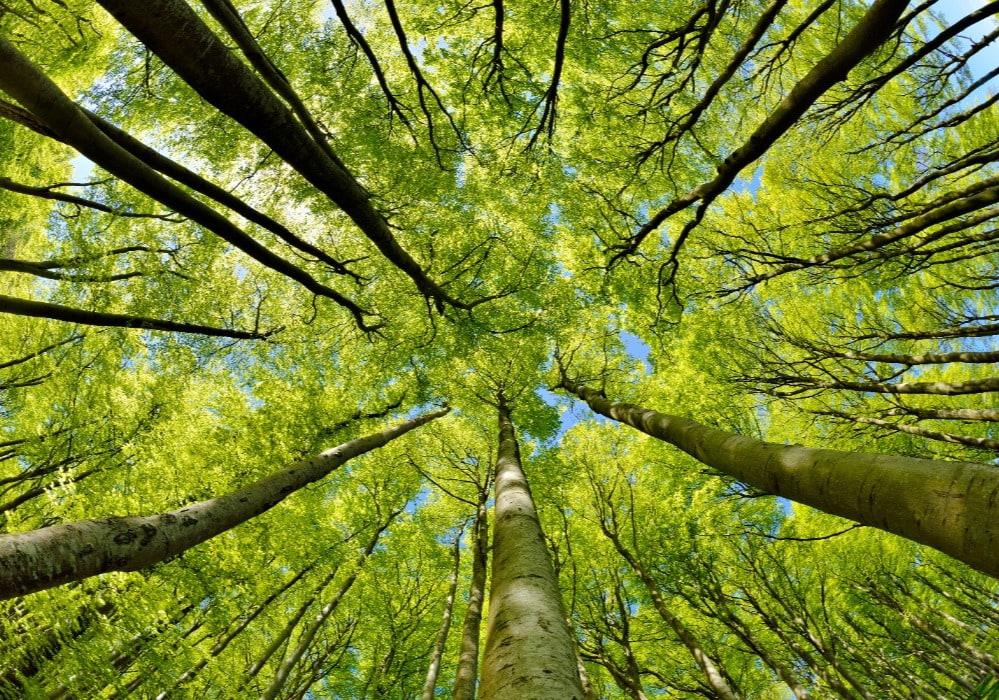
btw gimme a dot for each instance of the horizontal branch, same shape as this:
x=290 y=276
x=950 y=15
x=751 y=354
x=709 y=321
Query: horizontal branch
x=49 y=271
x=967 y=440
x=980 y=414
x=48 y=192
x=967 y=357
x=38 y=353
x=982 y=330
x=951 y=210
x=973 y=386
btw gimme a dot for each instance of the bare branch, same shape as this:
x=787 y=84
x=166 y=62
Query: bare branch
x=57 y=312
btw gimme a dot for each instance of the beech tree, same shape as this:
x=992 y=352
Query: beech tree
x=351 y=237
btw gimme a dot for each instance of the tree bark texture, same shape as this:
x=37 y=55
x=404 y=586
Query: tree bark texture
x=40 y=559
x=468 y=657
x=950 y=506
x=529 y=651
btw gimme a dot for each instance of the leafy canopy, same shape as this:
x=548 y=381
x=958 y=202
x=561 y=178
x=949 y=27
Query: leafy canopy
x=775 y=218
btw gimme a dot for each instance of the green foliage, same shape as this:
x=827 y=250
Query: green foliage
x=514 y=195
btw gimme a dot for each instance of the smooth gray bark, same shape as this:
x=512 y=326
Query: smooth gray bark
x=529 y=654
x=950 y=506
x=978 y=414
x=40 y=559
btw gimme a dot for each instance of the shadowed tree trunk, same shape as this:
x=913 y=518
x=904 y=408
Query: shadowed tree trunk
x=872 y=29
x=235 y=90
x=309 y=634
x=714 y=672
x=235 y=629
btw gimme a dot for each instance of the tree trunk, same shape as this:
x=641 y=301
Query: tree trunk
x=40 y=559
x=435 y=658
x=281 y=638
x=235 y=90
x=870 y=32
x=951 y=506
x=228 y=636
x=711 y=667
x=529 y=649
x=468 y=658
x=30 y=86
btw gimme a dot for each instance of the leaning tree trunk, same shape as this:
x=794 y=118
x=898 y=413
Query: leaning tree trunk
x=40 y=559
x=711 y=668
x=529 y=649
x=950 y=506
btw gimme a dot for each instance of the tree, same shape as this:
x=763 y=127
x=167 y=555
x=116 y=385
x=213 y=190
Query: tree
x=235 y=235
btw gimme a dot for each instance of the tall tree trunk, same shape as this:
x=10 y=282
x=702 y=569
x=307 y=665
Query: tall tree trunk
x=468 y=658
x=236 y=90
x=529 y=648
x=435 y=658
x=951 y=506
x=40 y=559
x=588 y=692
x=724 y=613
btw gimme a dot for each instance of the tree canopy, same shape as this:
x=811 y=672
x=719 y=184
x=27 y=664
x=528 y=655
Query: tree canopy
x=271 y=272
